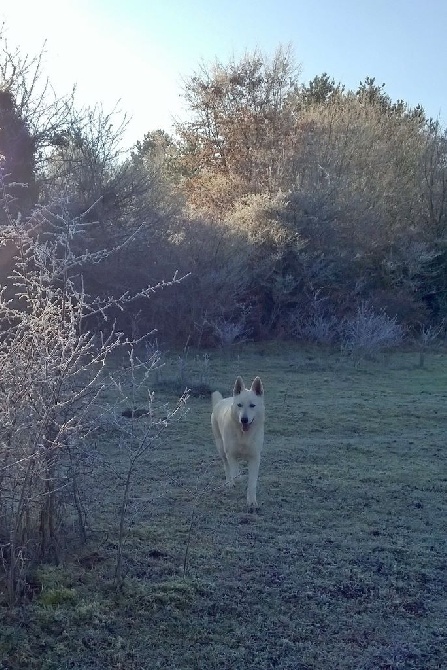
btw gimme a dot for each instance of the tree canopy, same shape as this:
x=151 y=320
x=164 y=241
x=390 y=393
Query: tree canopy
x=273 y=191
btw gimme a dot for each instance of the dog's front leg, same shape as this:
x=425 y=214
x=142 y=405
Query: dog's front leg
x=253 y=470
x=231 y=470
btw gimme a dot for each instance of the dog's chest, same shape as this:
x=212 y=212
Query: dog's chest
x=244 y=445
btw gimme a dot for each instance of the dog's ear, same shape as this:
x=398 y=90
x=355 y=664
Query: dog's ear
x=257 y=386
x=238 y=386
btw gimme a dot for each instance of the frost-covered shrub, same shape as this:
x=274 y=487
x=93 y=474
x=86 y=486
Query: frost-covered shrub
x=368 y=331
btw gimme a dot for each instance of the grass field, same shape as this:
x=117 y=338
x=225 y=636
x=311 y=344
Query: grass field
x=343 y=568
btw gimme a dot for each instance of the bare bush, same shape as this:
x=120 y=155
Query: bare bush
x=317 y=323
x=229 y=331
x=53 y=372
x=429 y=337
x=368 y=332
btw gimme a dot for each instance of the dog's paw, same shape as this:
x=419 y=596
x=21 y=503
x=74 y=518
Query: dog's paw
x=252 y=508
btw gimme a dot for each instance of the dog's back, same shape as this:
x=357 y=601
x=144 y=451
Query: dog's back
x=221 y=407
x=215 y=398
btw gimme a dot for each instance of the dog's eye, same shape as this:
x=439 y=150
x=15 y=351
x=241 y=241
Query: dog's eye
x=252 y=405
x=239 y=404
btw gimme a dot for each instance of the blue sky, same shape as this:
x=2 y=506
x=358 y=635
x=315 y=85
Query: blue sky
x=139 y=52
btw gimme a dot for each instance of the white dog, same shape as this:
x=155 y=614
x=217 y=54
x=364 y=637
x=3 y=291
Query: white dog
x=238 y=428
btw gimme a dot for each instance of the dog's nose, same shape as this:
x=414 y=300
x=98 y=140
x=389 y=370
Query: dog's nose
x=244 y=419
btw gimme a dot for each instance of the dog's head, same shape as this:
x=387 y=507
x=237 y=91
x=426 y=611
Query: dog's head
x=248 y=404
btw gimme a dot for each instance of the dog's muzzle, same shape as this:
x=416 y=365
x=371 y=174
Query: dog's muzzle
x=244 y=424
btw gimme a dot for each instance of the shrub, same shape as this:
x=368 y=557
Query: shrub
x=317 y=323
x=53 y=373
x=367 y=331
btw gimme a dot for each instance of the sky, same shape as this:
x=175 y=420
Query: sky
x=136 y=54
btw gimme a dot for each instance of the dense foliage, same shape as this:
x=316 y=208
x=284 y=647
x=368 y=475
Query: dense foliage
x=336 y=197
x=290 y=206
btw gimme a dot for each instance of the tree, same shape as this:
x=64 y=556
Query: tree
x=17 y=151
x=46 y=115
x=321 y=90
x=241 y=126
x=77 y=165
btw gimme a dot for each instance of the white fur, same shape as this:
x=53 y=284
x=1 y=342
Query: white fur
x=238 y=428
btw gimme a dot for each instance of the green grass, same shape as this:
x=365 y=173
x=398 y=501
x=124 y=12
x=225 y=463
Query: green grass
x=344 y=567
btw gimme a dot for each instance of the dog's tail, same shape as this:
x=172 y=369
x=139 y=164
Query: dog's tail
x=215 y=397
